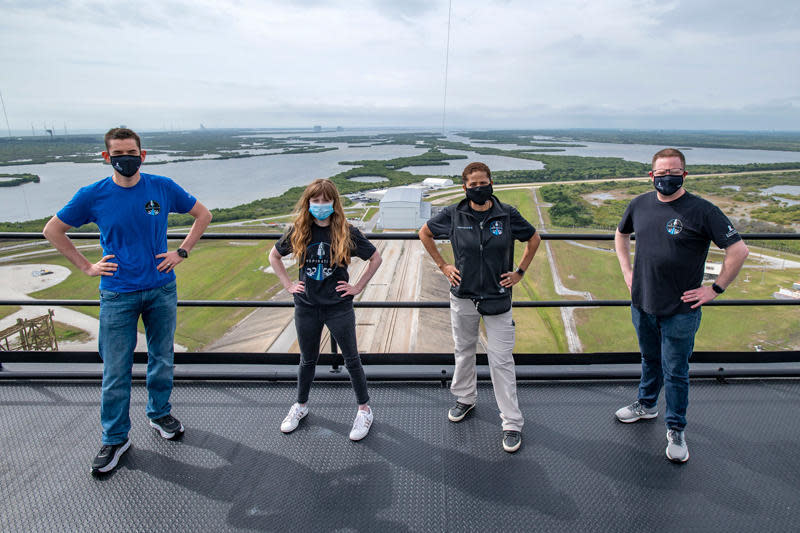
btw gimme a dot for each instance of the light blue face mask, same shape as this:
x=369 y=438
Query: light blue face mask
x=320 y=211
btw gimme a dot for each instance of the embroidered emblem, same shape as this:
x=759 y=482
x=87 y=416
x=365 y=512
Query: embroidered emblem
x=674 y=226
x=496 y=227
x=152 y=208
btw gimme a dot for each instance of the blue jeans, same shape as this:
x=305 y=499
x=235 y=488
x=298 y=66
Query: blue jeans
x=666 y=343
x=119 y=315
x=341 y=322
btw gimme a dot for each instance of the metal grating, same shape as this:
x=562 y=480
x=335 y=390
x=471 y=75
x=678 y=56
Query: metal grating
x=578 y=470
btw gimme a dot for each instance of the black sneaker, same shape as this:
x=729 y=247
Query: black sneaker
x=107 y=458
x=457 y=413
x=168 y=426
x=512 y=440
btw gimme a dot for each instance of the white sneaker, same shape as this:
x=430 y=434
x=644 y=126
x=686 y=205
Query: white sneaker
x=296 y=413
x=636 y=411
x=677 y=451
x=361 y=425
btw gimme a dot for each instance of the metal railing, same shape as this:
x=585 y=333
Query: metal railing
x=415 y=359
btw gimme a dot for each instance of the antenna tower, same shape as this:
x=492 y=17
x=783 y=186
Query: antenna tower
x=446 y=64
x=5 y=114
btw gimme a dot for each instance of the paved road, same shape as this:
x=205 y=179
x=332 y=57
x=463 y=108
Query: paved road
x=17 y=281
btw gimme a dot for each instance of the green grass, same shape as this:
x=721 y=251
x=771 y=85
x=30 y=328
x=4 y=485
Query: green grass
x=547 y=333
x=67 y=333
x=722 y=328
x=6 y=310
x=370 y=213
x=215 y=270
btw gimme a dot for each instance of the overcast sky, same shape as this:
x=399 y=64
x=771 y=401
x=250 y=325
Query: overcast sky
x=152 y=64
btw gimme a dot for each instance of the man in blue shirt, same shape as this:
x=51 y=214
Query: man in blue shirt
x=137 y=278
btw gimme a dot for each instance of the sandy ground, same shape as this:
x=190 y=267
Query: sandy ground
x=17 y=281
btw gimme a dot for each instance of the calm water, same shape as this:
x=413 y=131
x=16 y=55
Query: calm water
x=794 y=190
x=369 y=179
x=216 y=183
x=230 y=182
x=455 y=166
x=643 y=153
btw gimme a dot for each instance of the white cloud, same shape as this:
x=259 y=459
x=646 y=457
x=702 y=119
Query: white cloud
x=282 y=63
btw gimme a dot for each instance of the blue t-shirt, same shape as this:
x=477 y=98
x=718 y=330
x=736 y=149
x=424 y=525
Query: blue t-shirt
x=133 y=226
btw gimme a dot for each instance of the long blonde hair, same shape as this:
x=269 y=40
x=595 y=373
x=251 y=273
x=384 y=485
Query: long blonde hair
x=340 y=230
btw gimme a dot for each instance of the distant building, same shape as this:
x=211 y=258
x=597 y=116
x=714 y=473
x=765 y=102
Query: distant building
x=786 y=294
x=403 y=208
x=437 y=183
x=711 y=271
x=317 y=129
x=376 y=195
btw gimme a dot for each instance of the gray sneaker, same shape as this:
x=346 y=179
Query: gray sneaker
x=677 y=451
x=636 y=411
x=459 y=411
x=512 y=440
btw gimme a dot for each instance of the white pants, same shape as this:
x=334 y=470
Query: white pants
x=465 y=320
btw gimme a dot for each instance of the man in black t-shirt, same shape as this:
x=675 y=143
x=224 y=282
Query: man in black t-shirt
x=673 y=231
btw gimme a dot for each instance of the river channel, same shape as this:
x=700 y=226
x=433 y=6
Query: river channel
x=230 y=182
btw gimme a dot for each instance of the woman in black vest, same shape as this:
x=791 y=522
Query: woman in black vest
x=482 y=231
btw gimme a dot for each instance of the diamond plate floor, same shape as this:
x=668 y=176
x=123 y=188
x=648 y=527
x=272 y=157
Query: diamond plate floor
x=578 y=469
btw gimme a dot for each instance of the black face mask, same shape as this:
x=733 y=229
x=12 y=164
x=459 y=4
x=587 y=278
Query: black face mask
x=127 y=165
x=480 y=195
x=668 y=185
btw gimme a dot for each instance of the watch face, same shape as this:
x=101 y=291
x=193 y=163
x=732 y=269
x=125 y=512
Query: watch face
x=183 y=253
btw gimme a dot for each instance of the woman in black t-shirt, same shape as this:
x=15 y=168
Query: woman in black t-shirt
x=322 y=243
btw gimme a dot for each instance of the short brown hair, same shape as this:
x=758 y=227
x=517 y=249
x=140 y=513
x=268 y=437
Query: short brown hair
x=669 y=152
x=122 y=133
x=475 y=167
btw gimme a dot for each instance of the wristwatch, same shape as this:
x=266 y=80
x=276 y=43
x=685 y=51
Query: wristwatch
x=716 y=288
x=520 y=272
x=183 y=253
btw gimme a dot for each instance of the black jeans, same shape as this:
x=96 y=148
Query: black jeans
x=341 y=322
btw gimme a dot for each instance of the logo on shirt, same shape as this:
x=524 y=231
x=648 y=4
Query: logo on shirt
x=674 y=226
x=496 y=227
x=731 y=231
x=152 y=208
x=463 y=227
x=317 y=265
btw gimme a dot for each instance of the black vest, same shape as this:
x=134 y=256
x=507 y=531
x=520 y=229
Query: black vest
x=482 y=250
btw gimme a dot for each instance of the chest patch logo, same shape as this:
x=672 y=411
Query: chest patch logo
x=496 y=227
x=674 y=226
x=152 y=208
x=317 y=265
